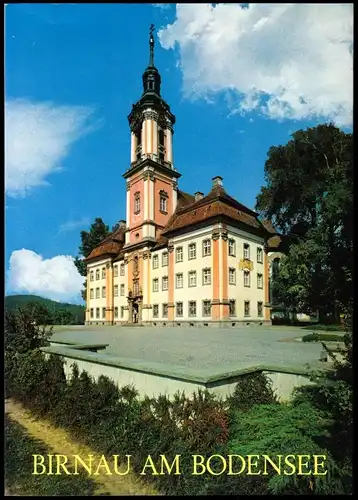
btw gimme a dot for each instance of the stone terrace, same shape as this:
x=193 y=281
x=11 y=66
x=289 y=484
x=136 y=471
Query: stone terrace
x=200 y=348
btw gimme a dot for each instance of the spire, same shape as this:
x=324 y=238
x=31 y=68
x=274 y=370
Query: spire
x=151 y=76
x=151 y=46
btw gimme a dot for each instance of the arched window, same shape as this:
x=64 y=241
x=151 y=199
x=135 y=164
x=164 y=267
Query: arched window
x=136 y=203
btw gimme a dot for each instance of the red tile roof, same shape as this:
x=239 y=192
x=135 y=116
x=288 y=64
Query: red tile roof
x=216 y=203
x=111 y=245
x=190 y=212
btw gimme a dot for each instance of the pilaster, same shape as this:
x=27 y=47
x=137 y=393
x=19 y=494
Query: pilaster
x=109 y=294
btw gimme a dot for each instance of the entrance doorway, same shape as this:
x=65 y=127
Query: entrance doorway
x=135 y=318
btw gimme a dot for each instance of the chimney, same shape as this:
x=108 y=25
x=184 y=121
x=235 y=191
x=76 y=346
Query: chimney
x=217 y=181
x=198 y=196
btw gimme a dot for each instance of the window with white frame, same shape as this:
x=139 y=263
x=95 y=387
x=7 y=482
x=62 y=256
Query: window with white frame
x=192 y=278
x=179 y=281
x=163 y=201
x=136 y=203
x=97 y=293
x=97 y=312
x=103 y=273
x=103 y=312
x=103 y=292
x=179 y=309
x=259 y=255
x=155 y=310
x=91 y=313
x=206 y=248
x=115 y=271
x=246 y=251
x=116 y=312
x=207 y=276
x=163 y=204
x=122 y=311
x=192 y=251
x=155 y=285
x=260 y=309
x=192 y=308
x=247 y=278
x=97 y=274
x=91 y=293
x=115 y=291
x=122 y=270
x=179 y=254
x=206 y=307
x=232 y=276
x=164 y=259
x=165 y=311
x=91 y=276
x=122 y=290
x=232 y=307
x=165 y=283
x=247 y=308
x=260 y=280
x=155 y=261
x=232 y=247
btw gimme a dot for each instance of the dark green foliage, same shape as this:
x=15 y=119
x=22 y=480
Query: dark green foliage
x=19 y=448
x=324 y=328
x=299 y=429
x=309 y=198
x=46 y=311
x=253 y=389
x=318 y=337
x=89 y=241
x=22 y=333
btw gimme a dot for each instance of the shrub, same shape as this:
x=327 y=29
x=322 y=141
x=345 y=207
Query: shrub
x=252 y=389
x=318 y=337
x=298 y=429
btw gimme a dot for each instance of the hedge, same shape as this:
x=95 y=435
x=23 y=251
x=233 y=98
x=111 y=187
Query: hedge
x=318 y=337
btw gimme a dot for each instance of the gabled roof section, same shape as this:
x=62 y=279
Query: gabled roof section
x=216 y=203
x=184 y=199
x=111 y=245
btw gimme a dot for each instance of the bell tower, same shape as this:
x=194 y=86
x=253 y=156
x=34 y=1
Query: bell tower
x=151 y=177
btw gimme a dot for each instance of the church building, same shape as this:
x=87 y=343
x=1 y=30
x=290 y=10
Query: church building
x=178 y=258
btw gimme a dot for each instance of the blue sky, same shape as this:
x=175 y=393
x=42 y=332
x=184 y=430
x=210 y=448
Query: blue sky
x=73 y=71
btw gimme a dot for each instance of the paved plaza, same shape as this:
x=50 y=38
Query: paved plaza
x=200 y=347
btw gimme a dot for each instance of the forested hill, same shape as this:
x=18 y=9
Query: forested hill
x=50 y=311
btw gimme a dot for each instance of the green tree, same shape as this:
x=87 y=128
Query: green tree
x=40 y=313
x=309 y=197
x=90 y=240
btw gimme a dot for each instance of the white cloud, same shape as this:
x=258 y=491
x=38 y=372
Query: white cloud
x=37 y=139
x=71 y=225
x=284 y=60
x=56 y=278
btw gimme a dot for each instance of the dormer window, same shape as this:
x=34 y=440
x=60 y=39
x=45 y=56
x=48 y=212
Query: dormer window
x=136 y=203
x=163 y=202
